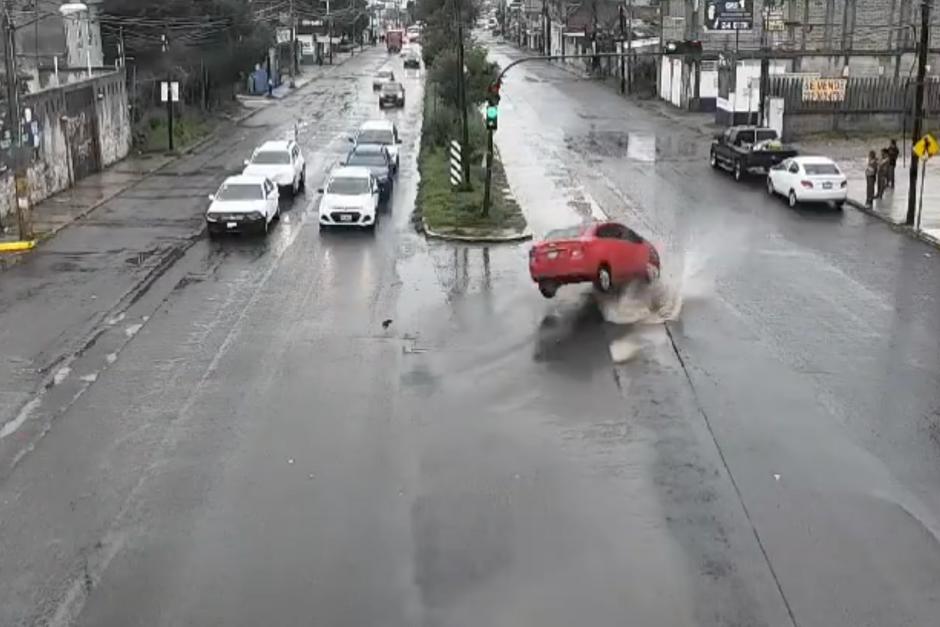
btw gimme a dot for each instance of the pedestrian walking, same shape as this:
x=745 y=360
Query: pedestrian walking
x=871 y=172
x=893 y=154
x=884 y=165
x=270 y=87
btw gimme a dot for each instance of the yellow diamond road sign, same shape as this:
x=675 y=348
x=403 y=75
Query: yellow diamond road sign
x=927 y=146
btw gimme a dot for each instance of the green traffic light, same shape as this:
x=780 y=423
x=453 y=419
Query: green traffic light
x=492 y=112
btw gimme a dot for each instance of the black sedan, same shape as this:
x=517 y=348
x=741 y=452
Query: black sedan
x=412 y=61
x=377 y=158
x=392 y=95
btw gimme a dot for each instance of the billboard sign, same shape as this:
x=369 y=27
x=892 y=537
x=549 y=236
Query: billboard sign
x=729 y=15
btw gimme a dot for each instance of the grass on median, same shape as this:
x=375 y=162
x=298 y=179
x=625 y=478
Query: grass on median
x=461 y=212
x=153 y=137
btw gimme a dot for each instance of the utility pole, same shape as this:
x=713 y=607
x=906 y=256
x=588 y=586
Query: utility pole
x=623 y=69
x=169 y=92
x=922 y=52
x=462 y=98
x=20 y=178
x=293 y=45
x=764 y=62
x=329 y=18
x=630 y=48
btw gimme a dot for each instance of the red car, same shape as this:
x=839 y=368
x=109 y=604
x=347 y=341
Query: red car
x=607 y=253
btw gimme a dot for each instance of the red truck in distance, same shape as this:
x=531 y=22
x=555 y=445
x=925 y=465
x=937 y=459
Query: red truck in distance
x=393 y=40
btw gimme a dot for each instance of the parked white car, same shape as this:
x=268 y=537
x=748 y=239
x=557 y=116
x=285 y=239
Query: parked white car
x=243 y=204
x=350 y=198
x=382 y=132
x=808 y=179
x=280 y=161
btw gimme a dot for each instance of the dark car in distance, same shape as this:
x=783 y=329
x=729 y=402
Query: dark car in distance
x=412 y=61
x=392 y=95
x=377 y=158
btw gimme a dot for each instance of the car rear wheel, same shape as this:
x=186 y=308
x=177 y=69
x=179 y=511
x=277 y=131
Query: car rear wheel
x=548 y=288
x=604 y=281
x=792 y=199
x=303 y=181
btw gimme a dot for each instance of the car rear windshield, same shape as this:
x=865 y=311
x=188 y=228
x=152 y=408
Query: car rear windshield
x=376 y=136
x=821 y=168
x=370 y=158
x=573 y=232
x=385 y=74
x=391 y=87
x=240 y=191
x=272 y=157
x=348 y=186
x=766 y=134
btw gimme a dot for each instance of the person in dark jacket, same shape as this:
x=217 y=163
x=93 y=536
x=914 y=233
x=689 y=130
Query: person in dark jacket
x=871 y=172
x=884 y=167
x=893 y=154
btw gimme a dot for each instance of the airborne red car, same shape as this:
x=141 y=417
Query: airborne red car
x=607 y=253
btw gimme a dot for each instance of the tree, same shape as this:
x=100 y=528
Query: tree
x=480 y=73
x=218 y=38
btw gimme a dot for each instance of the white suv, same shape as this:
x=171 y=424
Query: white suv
x=281 y=162
x=350 y=198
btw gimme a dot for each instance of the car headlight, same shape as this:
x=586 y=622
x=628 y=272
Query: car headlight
x=255 y=215
x=211 y=217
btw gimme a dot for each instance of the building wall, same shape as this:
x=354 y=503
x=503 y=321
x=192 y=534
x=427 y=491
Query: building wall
x=114 y=124
x=50 y=170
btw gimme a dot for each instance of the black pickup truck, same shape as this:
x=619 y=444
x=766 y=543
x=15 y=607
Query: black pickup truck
x=748 y=149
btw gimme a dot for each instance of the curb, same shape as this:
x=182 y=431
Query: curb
x=474 y=239
x=902 y=228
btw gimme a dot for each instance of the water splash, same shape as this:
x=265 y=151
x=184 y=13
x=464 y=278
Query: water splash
x=662 y=300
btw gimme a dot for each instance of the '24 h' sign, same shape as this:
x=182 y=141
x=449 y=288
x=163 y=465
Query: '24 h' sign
x=729 y=15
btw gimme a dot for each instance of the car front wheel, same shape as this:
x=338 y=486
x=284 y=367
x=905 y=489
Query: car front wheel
x=713 y=160
x=604 y=281
x=738 y=172
x=770 y=186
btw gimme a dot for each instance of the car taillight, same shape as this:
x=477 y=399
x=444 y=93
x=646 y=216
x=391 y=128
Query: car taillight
x=844 y=184
x=807 y=184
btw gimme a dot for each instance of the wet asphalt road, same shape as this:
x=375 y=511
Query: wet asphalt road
x=227 y=434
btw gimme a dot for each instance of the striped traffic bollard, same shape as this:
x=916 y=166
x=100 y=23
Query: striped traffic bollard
x=456 y=164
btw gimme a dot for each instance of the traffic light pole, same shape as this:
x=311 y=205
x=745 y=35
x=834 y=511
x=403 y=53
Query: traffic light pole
x=489 y=172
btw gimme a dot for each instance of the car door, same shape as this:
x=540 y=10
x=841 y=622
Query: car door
x=778 y=174
x=270 y=199
x=298 y=160
x=792 y=174
x=611 y=249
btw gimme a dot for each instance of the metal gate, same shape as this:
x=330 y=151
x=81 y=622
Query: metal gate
x=81 y=132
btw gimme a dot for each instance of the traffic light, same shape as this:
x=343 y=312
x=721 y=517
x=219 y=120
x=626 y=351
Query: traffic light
x=492 y=115
x=492 y=93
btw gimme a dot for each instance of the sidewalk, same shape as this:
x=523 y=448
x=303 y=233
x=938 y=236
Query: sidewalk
x=851 y=155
